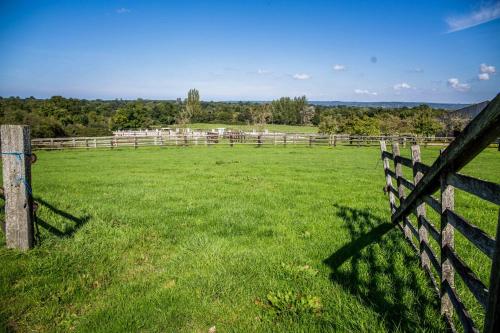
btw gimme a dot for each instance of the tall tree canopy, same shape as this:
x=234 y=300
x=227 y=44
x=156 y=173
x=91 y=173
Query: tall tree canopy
x=59 y=116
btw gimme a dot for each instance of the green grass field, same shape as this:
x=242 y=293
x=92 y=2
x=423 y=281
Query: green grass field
x=245 y=239
x=249 y=128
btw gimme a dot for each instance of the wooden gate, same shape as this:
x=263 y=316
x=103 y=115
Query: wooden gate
x=443 y=176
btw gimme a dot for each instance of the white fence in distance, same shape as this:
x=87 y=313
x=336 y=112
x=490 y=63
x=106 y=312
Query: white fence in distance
x=229 y=139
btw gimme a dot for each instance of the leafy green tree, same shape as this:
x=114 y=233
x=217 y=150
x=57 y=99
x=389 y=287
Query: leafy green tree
x=191 y=109
x=328 y=125
x=424 y=124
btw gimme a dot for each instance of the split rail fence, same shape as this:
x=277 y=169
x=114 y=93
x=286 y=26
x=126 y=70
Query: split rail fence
x=228 y=139
x=443 y=176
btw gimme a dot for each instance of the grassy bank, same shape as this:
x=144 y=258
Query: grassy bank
x=244 y=239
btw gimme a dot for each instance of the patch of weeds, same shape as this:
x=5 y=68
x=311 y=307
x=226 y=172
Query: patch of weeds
x=305 y=234
x=299 y=270
x=220 y=162
x=280 y=305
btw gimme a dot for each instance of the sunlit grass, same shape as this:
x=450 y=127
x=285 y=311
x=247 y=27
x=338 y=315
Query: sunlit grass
x=243 y=238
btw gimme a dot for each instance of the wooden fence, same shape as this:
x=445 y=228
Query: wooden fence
x=228 y=139
x=443 y=176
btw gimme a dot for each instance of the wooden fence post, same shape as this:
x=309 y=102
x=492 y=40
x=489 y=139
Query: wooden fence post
x=401 y=193
x=423 y=234
x=284 y=140
x=16 y=160
x=135 y=142
x=492 y=320
x=388 y=182
x=447 y=239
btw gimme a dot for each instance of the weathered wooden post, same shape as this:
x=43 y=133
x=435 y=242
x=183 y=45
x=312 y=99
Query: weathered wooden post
x=492 y=320
x=422 y=230
x=401 y=193
x=135 y=142
x=16 y=158
x=335 y=141
x=310 y=141
x=87 y=143
x=388 y=181
x=447 y=241
x=284 y=140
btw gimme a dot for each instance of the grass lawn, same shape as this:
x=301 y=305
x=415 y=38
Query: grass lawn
x=245 y=239
x=249 y=128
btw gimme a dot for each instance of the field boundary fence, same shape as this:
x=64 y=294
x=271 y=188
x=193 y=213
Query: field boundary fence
x=231 y=139
x=442 y=176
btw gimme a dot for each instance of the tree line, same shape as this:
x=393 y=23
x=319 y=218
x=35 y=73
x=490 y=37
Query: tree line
x=59 y=116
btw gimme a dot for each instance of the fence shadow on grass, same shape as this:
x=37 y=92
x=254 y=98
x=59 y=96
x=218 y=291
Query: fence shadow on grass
x=78 y=222
x=378 y=267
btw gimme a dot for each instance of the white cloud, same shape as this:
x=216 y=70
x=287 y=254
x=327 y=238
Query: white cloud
x=301 y=76
x=365 y=92
x=483 y=76
x=485 y=14
x=122 y=10
x=263 y=71
x=417 y=70
x=455 y=84
x=402 y=85
x=483 y=68
x=338 y=67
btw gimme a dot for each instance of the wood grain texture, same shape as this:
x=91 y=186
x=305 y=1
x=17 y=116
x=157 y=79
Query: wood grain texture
x=17 y=186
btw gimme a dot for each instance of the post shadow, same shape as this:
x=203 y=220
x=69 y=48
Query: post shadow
x=374 y=241
x=78 y=221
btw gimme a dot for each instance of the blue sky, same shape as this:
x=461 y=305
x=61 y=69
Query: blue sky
x=434 y=51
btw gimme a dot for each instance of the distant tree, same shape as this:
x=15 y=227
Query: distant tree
x=307 y=114
x=261 y=114
x=290 y=111
x=454 y=124
x=361 y=126
x=328 y=125
x=423 y=123
x=191 y=109
x=393 y=124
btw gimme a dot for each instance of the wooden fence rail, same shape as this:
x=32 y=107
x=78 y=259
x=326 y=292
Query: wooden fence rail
x=230 y=139
x=443 y=175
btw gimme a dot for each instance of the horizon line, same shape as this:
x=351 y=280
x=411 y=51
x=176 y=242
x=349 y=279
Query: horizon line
x=239 y=100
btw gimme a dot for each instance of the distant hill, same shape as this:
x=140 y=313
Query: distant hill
x=471 y=111
x=446 y=106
